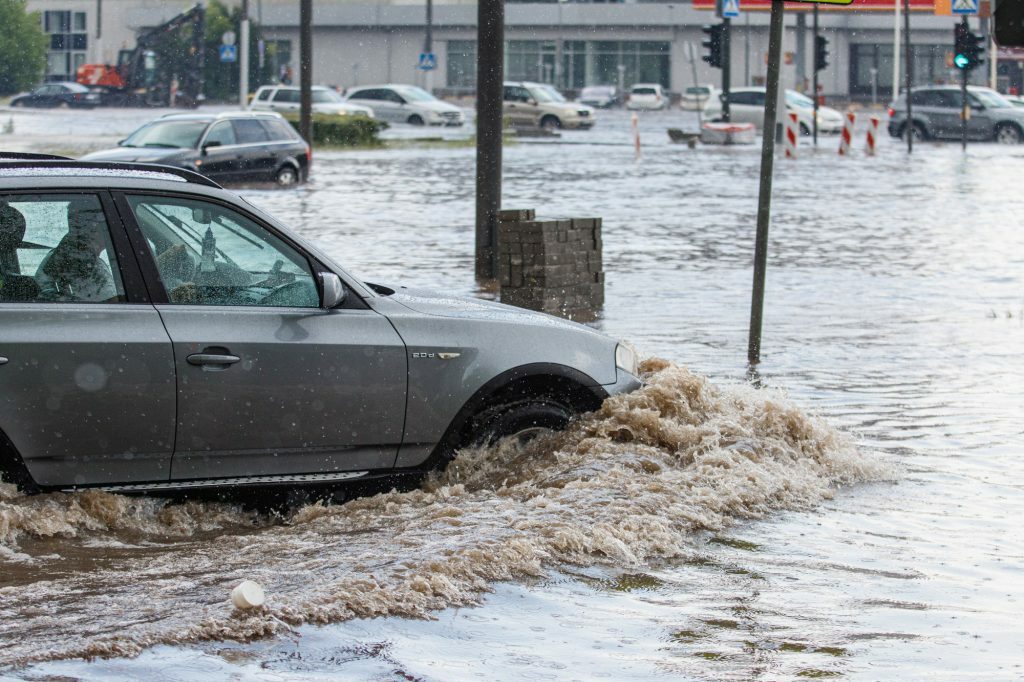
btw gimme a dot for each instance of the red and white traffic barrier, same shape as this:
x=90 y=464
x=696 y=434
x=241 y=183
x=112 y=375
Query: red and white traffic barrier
x=844 y=141
x=635 y=122
x=792 y=135
x=873 y=134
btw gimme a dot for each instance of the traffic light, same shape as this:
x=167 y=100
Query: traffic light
x=713 y=43
x=968 y=48
x=820 y=53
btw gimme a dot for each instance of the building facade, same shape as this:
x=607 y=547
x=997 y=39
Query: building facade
x=569 y=44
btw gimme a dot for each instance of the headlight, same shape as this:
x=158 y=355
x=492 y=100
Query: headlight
x=625 y=359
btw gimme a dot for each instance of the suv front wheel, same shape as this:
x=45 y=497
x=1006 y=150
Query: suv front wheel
x=1007 y=133
x=917 y=130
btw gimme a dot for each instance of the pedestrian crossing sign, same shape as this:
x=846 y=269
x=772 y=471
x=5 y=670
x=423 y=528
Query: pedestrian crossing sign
x=731 y=9
x=428 y=61
x=965 y=6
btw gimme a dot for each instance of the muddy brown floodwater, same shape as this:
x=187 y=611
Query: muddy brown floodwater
x=856 y=518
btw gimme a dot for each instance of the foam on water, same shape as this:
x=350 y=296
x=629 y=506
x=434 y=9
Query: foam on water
x=634 y=482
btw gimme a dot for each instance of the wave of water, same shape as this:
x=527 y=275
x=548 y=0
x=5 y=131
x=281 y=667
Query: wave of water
x=632 y=483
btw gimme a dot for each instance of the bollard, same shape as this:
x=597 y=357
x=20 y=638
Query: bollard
x=635 y=122
x=792 y=135
x=844 y=140
x=873 y=134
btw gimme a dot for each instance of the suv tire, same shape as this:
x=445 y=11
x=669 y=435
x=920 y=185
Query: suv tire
x=550 y=123
x=523 y=419
x=1007 y=133
x=287 y=176
x=416 y=120
x=919 y=132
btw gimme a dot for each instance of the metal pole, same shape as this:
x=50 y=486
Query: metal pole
x=98 y=42
x=726 y=60
x=243 y=58
x=896 y=75
x=910 y=75
x=993 y=51
x=428 y=46
x=692 y=55
x=559 y=48
x=964 y=112
x=764 y=198
x=801 y=51
x=814 y=86
x=489 y=76
x=306 y=70
x=746 y=50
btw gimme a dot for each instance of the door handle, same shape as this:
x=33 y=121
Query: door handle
x=3 y=361
x=200 y=359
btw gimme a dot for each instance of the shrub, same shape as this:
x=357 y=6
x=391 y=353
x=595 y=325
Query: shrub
x=343 y=131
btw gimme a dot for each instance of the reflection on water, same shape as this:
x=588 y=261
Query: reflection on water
x=894 y=309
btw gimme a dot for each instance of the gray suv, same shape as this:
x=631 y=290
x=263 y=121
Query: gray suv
x=936 y=112
x=159 y=334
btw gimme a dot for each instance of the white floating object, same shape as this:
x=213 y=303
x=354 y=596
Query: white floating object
x=727 y=133
x=248 y=595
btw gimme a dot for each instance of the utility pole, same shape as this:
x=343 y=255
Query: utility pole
x=243 y=58
x=726 y=60
x=910 y=75
x=814 y=85
x=428 y=45
x=306 y=71
x=490 y=69
x=764 y=197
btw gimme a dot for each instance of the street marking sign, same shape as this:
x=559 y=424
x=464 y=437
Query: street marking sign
x=428 y=61
x=229 y=53
x=965 y=6
x=731 y=9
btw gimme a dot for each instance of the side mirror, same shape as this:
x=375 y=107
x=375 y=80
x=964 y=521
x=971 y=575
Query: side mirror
x=334 y=290
x=532 y=102
x=212 y=143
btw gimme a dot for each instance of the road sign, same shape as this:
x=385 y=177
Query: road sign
x=428 y=61
x=731 y=9
x=229 y=53
x=965 y=6
x=228 y=38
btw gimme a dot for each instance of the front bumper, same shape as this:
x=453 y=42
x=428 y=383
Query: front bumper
x=624 y=383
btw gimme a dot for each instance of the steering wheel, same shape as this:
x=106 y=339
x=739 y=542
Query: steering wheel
x=299 y=294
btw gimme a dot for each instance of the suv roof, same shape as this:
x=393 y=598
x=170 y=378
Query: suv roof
x=220 y=116
x=20 y=166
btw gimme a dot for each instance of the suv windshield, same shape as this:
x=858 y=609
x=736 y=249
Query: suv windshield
x=414 y=94
x=184 y=134
x=991 y=99
x=326 y=97
x=795 y=99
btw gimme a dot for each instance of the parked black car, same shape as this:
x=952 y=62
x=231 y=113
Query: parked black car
x=227 y=147
x=57 y=95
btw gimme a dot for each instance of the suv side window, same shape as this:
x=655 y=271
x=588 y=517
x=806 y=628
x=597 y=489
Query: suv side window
x=742 y=98
x=57 y=248
x=279 y=131
x=207 y=254
x=392 y=96
x=264 y=94
x=287 y=96
x=365 y=94
x=249 y=131
x=222 y=133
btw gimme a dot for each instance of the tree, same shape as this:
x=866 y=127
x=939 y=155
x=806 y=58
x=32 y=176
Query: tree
x=221 y=78
x=22 y=47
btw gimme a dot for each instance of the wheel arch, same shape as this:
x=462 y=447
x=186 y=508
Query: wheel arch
x=13 y=468
x=582 y=391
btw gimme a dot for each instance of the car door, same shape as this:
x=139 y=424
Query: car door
x=86 y=366
x=286 y=100
x=221 y=155
x=518 y=106
x=257 y=160
x=747 y=107
x=981 y=125
x=941 y=110
x=269 y=383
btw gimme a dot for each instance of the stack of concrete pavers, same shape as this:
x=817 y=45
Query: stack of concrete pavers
x=553 y=266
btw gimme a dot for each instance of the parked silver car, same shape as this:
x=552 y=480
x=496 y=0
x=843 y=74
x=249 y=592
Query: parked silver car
x=158 y=333
x=406 y=104
x=286 y=99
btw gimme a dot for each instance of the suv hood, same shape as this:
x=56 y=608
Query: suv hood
x=143 y=154
x=435 y=303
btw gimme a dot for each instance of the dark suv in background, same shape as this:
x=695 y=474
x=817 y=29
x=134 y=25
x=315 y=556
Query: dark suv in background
x=228 y=147
x=936 y=112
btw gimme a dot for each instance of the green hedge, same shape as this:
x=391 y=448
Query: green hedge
x=343 y=131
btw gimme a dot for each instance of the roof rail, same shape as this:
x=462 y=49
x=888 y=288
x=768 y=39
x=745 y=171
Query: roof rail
x=29 y=156
x=58 y=162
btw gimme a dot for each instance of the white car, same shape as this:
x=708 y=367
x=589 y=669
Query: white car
x=746 y=105
x=285 y=98
x=646 y=96
x=406 y=104
x=696 y=97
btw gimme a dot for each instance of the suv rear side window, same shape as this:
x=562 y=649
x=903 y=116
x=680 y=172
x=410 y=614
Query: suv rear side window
x=287 y=96
x=207 y=254
x=279 y=131
x=57 y=248
x=249 y=131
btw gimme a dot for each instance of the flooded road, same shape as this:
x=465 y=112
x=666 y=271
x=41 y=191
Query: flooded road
x=696 y=530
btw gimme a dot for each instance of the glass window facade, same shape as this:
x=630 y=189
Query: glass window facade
x=932 y=65
x=605 y=62
x=69 y=40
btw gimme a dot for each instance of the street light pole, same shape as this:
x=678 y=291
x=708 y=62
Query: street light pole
x=428 y=45
x=243 y=59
